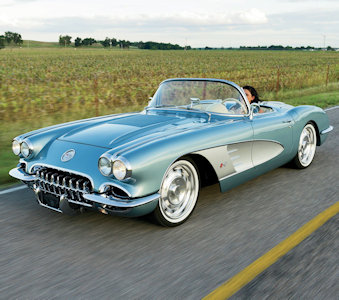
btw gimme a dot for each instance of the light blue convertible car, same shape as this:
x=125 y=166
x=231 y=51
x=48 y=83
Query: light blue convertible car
x=193 y=132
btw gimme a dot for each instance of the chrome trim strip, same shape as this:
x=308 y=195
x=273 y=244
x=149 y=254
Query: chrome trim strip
x=79 y=203
x=329 y=129
x=111 y=201
x=65 y=170
x=50 y=207
x=20 y=174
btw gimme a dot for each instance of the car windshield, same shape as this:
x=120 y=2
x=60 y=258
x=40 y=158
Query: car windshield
x=205 y=95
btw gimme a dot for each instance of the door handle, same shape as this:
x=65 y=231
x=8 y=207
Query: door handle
x=287 y=121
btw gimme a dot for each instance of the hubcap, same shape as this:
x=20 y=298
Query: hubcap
x=307 y=145
x=179 y=191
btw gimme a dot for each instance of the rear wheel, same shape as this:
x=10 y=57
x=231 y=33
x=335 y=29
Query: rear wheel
x=307 y=147
x=178 y=193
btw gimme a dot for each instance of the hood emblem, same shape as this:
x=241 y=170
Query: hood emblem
x=68 y=155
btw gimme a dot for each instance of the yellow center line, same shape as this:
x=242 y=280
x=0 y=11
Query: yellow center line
x=234 y=284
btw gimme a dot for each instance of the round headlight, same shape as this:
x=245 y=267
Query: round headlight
x=105 y=166
x=119 y=170
x=16 y=147
x=25 y=149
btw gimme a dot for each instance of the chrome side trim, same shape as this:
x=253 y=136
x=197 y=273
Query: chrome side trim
x=111 y=201
x=327 y=130
x=20 y=174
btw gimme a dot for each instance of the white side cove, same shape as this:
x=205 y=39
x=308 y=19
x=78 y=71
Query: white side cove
x=232 y=159
x=264 y=151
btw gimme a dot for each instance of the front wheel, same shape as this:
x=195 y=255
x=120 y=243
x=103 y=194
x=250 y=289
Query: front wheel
x=178 y=194
x=306 y=148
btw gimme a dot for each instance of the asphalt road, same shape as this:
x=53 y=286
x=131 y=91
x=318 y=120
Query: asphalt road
x=44 y=254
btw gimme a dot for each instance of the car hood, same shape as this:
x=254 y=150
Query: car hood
x=136 y=127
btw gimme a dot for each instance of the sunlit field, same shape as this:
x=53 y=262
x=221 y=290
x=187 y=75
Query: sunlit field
x=40 y=87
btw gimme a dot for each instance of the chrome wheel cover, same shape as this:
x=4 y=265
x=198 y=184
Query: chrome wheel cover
x=179 y=191
x=307 y=145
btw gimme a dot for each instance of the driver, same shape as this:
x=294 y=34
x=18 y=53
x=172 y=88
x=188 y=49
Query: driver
x=252 y=96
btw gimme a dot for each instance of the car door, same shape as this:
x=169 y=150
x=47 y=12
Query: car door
x=272 y=139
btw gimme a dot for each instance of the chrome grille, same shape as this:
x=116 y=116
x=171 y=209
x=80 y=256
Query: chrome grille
x=61 y=183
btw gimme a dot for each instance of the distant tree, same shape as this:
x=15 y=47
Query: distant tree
x=329 y=48
x=88 y=42
x=17 y=39
x=114 y=42
x=106 y=43
x=124 y=44
x=8 y=37
x=77 y=42
x=65 y=40
x=2 y=41
x=13 y=37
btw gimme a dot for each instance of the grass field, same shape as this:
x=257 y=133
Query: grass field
x=40 y=87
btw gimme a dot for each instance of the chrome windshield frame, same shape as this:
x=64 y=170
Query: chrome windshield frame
x=237 y=87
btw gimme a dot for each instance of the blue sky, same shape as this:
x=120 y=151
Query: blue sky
x=213 y=23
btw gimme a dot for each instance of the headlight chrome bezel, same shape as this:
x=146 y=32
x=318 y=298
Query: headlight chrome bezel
x=119 y=169
x=16 y=146
x=22 y=148
x=28 y=150
x=108 y=159
x=124 y=163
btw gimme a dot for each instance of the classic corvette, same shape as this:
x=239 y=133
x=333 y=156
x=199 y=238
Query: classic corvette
x=193 y=132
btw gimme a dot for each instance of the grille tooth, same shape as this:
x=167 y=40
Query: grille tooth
x=50 y=174
x=86 y=187
x=54 y=177
x=79 y=184
x=65 y=181
x=72 y=194
x=58 y=180
x=72 y=183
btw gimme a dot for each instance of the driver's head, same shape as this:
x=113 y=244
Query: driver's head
x=251 y=94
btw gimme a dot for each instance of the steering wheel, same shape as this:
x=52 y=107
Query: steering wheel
x=242 y=105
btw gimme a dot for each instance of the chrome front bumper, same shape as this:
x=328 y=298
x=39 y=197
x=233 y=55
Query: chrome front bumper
x=102 y=202
x=113 y=201
x=20 y=174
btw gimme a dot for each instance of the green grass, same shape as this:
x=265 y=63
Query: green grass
x=37 y=44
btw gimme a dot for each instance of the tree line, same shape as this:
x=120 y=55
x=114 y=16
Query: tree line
x=272 y=47
x=113 y=42
x=10 y=38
